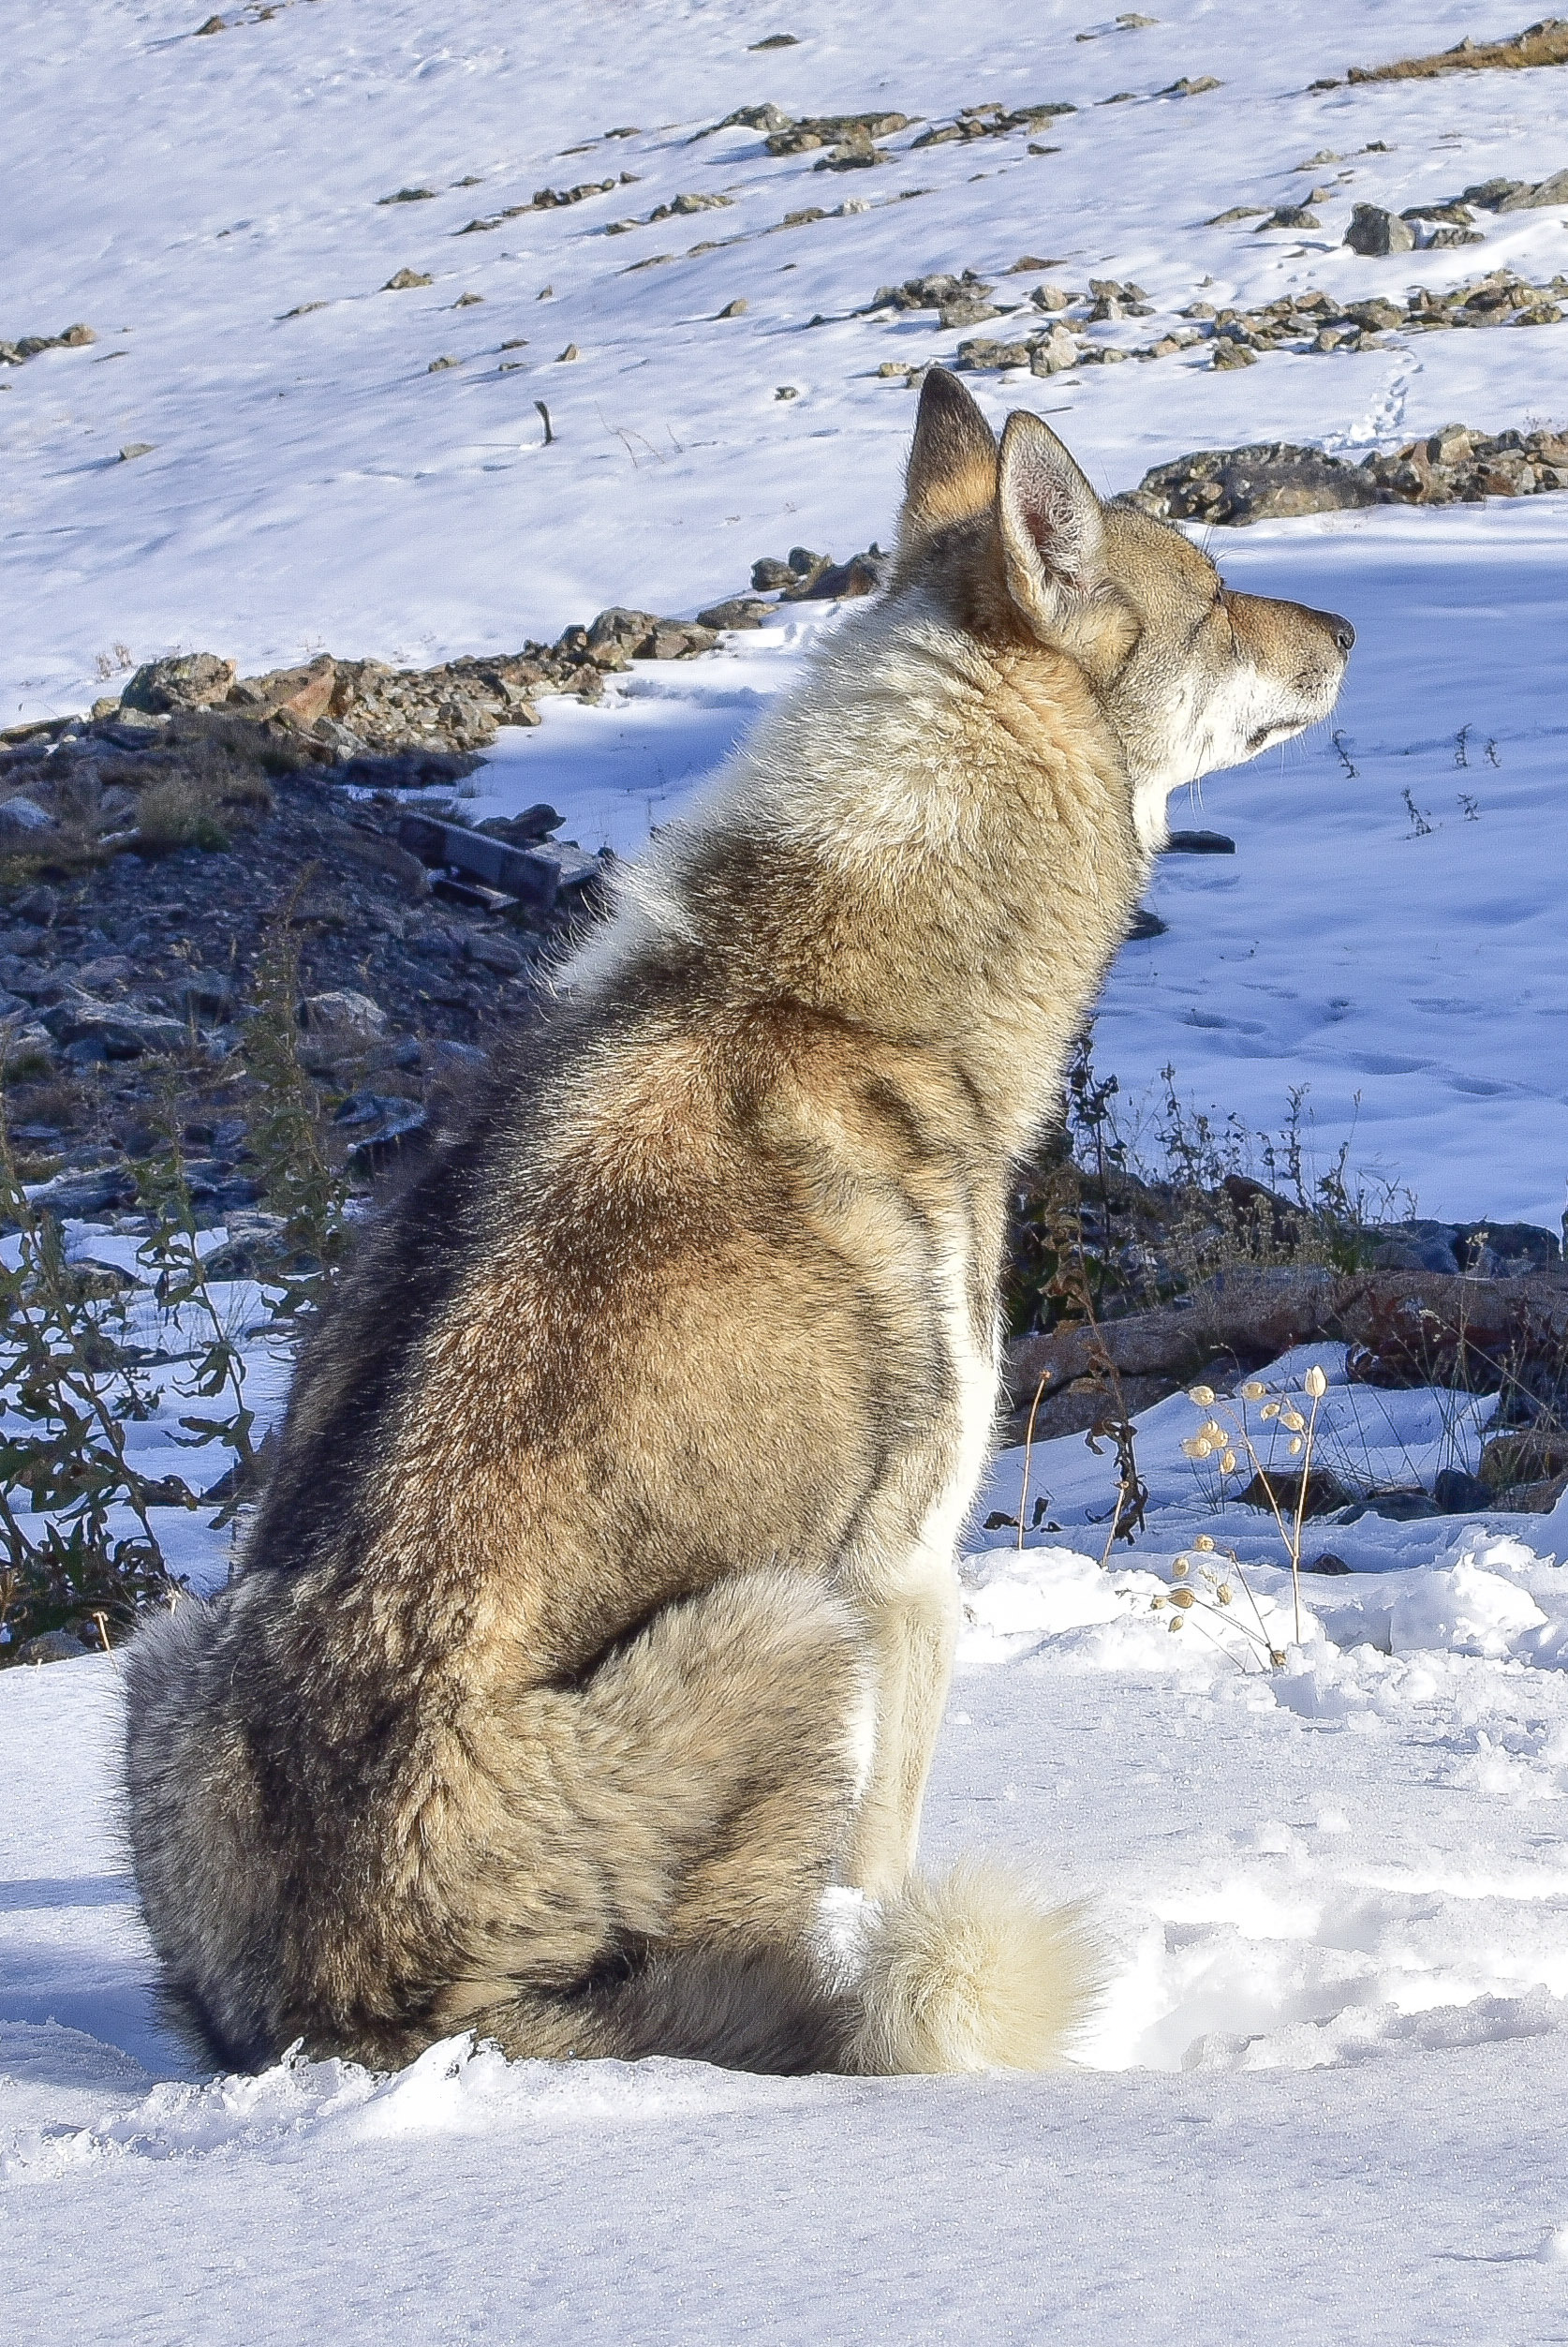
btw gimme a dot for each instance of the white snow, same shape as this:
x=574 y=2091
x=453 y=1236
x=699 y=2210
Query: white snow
x=1322 y=2099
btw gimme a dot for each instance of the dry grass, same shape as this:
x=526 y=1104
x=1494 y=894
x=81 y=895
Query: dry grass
x=1542 y=44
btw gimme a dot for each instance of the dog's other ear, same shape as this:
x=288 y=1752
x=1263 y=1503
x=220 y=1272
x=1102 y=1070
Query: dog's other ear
x=952 y=472
x=1048 y=520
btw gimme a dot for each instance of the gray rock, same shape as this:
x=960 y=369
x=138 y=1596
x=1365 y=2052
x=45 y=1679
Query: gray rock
x=1374 y=231
x=190 y=680
x=342 y=1017
x=1053 y=352
x=51 y=1647
x=740 y=611
x=1460 y=1493
x=498 y=953
x=23 y=818
x=111 y=1031
x=75 y=1194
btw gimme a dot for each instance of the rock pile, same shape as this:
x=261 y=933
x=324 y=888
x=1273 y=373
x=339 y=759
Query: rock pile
x=18 y=353
x=1312 y=321
x=1275 y=479
x=990 y=121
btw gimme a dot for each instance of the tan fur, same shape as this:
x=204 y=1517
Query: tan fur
x=599 y=1616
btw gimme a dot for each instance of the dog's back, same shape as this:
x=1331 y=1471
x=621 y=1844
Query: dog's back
x=597 y=1615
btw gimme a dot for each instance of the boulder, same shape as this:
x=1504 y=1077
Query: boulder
x=1376 y=233
x=189 y=680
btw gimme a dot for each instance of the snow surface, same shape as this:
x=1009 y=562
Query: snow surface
x=1326 y=2094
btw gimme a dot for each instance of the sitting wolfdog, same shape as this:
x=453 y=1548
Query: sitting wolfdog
x=585 y=1659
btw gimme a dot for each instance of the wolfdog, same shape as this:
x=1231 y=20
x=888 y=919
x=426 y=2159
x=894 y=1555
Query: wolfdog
x=579 y=1679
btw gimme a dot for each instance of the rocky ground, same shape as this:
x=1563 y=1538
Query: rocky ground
x=159 y=854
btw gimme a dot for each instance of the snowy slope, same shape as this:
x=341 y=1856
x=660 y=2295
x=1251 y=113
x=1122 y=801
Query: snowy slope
x=311 y=482
x=1324 y=2099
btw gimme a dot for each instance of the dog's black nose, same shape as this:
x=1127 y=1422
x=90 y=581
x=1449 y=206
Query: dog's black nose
x=1343 y=633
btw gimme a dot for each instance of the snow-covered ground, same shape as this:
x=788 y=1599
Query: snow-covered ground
x=1326 y=2096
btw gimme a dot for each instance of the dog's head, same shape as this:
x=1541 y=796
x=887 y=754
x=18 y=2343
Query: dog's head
x=1190 y=675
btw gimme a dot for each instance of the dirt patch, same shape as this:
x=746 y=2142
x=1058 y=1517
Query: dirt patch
x=1542 y=44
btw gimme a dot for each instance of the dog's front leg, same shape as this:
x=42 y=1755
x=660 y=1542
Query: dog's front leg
x=911 y=1631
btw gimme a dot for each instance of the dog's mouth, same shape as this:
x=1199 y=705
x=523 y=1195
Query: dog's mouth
x=1280 y=730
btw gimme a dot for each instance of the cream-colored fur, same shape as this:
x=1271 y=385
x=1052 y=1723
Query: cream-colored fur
x=974 y=1972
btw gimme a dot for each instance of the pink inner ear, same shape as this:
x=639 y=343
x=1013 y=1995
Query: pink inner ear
x=1045 y=505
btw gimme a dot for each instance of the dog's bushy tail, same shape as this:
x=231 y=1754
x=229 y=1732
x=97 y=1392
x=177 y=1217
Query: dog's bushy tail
x=974 y=1972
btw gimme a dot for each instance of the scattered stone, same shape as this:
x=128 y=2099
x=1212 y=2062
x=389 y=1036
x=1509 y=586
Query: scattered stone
x=1291 y=215
x=740 y=611
x=60 y=1646
x=769 y=118
x=343 y=1015
x=134 y=448
x=406 y=280
x=30 y=346
x=1326 y=1562
x=1458 y=1493
x=1228 y=353
x=990 y=121
x=1319 y=1492
x=409 y=195
x=832 y=131
x=788 y=390
x=189 y=680
x=438 y=366
x=23 y=820
x=567 y=355
x=1374 y=231
x=1192 y=85
x=737 y=308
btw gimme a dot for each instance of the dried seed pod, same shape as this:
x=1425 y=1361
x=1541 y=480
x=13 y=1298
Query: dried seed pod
x=1276 y=1657
x=1223 y=1593
x=1202 y=1395
x=1295 y=1446
x=1293 y=1420
x=1157 y=1605
x=1183 y=1597
x=1255 y=1389
x=1174 y=1622
x=1270 y=1409
x=1316 y=1383
x=1196 y=1446
x=1179 y=1566
x=1203 y=1541
x=1227 y=1464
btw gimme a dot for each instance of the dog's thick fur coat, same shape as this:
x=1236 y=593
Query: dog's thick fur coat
x=597 y=1616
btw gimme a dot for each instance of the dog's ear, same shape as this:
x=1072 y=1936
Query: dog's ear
x=952 y=472
x=1049 y=523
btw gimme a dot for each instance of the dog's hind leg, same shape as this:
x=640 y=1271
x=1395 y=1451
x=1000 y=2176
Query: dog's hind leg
x=681 y=1814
